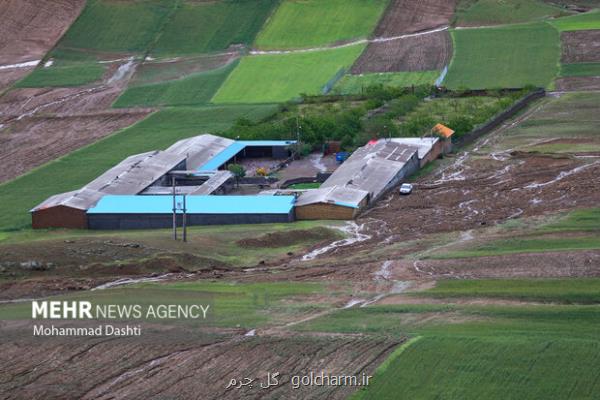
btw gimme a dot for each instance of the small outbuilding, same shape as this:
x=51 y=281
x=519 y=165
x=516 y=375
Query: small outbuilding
x=331 y=203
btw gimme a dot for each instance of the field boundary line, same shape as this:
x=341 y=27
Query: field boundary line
x=350 y=44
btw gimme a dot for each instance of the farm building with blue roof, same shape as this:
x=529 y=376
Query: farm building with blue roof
x=145 y=190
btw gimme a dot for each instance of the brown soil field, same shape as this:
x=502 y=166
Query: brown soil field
x=40 y=125
x=172 y=362
x=418 y=53
x=410 y=16
x=10 y=76
x=31 y=27
x=580 y=46
x=160 y=71
x=578 y=83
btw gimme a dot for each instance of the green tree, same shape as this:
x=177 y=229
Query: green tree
x=238 y=172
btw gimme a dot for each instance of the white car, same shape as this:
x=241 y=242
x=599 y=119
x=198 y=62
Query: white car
x=406 y=188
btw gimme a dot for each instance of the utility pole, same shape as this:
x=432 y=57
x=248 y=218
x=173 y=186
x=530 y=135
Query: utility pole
x=184 y=219
x=297 y=134
x=174 y=209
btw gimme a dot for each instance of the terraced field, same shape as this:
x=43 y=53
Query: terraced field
x=512 y=56
x=203 y=27
x=281 y=77
x=194 y=89
x=491 y=12
x=482 y=284
x=312 y=23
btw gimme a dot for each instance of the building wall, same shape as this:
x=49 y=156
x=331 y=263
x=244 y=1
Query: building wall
x=436 y=150
x=154 y=221
x=59 y=217
x=325 y=211
x=409 y=168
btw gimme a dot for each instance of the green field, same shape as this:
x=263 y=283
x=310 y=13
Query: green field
x=158 y=131
x=589 y=20
x=569 y=291
x=489 y=368
x=580 y=69
x=196 y=89
x=478 y=352
x=505 y=57
x=310 y=23
x=63 y=76
x=354 y=84
x=584 y=220
x=571 y=116
x=118 y=26
x=537 y=244
x=494 y=12
x=276 y=78
x=200 y=27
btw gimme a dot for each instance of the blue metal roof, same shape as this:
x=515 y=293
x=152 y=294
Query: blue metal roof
x=112 y=204
x=238 y=146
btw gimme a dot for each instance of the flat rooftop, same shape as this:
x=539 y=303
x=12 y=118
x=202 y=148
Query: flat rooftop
x=160 y=204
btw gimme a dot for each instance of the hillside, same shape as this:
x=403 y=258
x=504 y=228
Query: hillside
x=483 y=283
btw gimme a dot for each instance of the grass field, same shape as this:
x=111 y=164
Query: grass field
x=580 y=69
x=353 y=84
x=478 y=352
x=569 y=291
x=584 y=220
x=489 y=368
x=277 y=78
x=536 y=244
x=494 y=12
x=196 y=89
x=505 y=57
x=118 y=26
x=158 y=131
x=63 y=76
x=201 y=27
x=310 y=23
x=572 y=116
x=589 y=20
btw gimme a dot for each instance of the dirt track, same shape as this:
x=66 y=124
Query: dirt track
x=418 y=53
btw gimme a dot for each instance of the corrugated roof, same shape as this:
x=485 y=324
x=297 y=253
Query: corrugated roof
x=213 y=183
x=195 y=205
x=200 y=149
x=238 y=146
x=443 y=130
x=423 y=144
x=372 y=167
x=130 y=176
x=341 y=196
